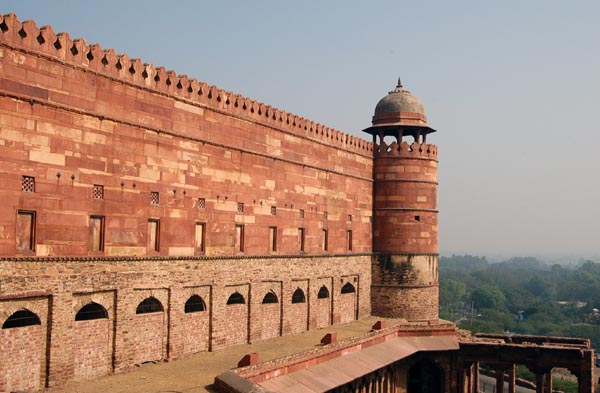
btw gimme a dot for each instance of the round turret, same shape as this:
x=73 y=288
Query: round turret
x=405 y=217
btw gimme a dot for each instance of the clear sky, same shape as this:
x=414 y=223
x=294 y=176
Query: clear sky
x=513 y=88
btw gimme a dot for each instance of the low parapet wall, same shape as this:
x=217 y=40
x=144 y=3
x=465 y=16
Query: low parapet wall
x=245 y=379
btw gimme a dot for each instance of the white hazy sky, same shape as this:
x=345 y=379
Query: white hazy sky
x=513 y=88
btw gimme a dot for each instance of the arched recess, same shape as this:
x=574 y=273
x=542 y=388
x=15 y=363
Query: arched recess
x=236 y=298
x=150 y=331
x=298 y=310
x=298 y=296
x=93 y=356
x=347 y=303
x=21 y=318
x=323 y=307
x=23 y=343
x=270 y=313
x=194 y=304
x=236 y=315
x=149 y=305
x=425 y=377
x=91 y=311
x=196 y=321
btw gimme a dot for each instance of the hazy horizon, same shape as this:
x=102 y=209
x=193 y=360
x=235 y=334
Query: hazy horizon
x=511 y=87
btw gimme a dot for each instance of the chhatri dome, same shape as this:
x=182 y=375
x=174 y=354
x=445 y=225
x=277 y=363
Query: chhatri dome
x=399 y=111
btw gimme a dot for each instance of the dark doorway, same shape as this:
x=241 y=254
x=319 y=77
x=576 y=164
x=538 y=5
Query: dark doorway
x=425 y=377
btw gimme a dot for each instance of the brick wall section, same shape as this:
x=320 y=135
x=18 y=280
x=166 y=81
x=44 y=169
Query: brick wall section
x=347 y=305
x=107 y=124
x=23 y=357
x=23 y=349
x=93 y=348
x=297 y=319
x=120 y=284
x=149 y=337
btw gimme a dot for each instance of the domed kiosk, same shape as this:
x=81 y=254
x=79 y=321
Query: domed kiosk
x=405 y=215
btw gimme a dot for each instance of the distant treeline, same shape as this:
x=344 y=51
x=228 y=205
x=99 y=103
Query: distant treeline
x=521 y=295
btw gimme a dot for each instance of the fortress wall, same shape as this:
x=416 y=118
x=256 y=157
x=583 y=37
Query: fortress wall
x=100 y=119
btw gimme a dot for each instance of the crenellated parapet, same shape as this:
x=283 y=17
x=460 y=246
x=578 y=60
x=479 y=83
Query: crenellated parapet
x=44 y=42
x=414 y=150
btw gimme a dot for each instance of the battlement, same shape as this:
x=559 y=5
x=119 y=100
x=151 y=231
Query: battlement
x=44 y=42
x=414 y=150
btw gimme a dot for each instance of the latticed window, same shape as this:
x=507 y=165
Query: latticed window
x=240 y=207
x=273 y=210
x=154 y=198
x=98 y=192
x=201 y=203
x=28 y=184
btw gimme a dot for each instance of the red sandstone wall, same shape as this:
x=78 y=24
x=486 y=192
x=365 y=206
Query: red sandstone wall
x=108 y=124
x=406 y=188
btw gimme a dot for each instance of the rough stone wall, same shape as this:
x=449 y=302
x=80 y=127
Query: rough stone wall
x=23 y=351
x=418 y=303
x=22 y=359
x=121 y=284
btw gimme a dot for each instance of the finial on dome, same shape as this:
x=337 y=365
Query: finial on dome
x=399 y=83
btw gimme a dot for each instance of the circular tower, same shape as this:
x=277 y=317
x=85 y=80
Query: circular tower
x=405 y=215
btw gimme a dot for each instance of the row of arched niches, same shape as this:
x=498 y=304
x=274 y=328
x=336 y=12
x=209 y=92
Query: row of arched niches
x=195 y=303
x=106 y=337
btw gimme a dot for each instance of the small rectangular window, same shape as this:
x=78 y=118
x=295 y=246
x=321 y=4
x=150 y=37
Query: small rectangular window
x=201 y=203
x=325 y=240
x=239 y=238
x=350 y=217
x=272 y=239
x=301 y=239
x=240 y=207
x=25 y=230
x=273 y=210
x=349 y=240
x=417 y=218
x=153 y=234
x=200 y=233
x=28 y=184
x=154 y=198
x=325 y=216
x=96 y=240
x=98 y=192
x=301 y=213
